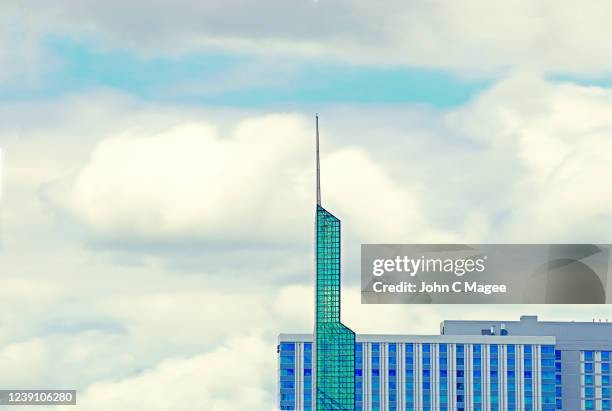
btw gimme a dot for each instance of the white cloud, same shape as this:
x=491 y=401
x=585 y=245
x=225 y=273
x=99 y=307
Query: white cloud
x=469 y=36
x=557 y=139
x=509 y=166
x=83 y=357
x=517 y=164
x=293 y=307
x=228 y=378
x=253 y=186
x=172 y=316
x=27 y=361
x=25 y=303
x=187 y=181
x=371 y=204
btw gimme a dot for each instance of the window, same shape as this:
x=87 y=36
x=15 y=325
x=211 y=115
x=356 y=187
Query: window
x=392 y=376
x=375 y=373
x=409 y=377
x=528 y=381
x=443 y=384
x=511 y=378
x=477 y=377
x=287 y=377
x=494 y=379
x=426 y=383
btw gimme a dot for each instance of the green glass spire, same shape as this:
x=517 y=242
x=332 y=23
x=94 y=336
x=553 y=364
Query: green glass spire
x=335 y=343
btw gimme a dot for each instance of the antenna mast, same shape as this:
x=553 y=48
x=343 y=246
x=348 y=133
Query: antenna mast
x=318 y=164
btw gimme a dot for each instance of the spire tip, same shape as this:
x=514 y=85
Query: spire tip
x=318 y=165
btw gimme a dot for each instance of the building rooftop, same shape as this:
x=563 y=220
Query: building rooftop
x=527 y=330
x=433 y=339
x=569 y=334
x=531 y=319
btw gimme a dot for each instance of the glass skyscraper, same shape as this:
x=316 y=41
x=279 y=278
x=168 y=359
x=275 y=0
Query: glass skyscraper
x=523 y=365
x=334 y=348
x=335 y=343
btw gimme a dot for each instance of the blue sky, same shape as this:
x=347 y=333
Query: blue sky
x=79 y=66
x=213 y=77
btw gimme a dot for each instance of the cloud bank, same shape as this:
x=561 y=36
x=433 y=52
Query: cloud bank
x=469 y=37
x=548 y=144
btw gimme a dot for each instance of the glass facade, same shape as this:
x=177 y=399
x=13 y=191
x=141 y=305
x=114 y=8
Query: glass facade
x=359 y=376
x=528 y=377
x=547 y=366
x=477 y=377
x=460 y=376
x=375 y=377
x=511 y=377
x=558 y=381
x=288 y=382
x=595 y=380
x=419 y=376
x=494 y=377
x=335 y=343
x=307 y=377
x=443 y=376
x=392 y=376
x=426 y=377
x=409 y=377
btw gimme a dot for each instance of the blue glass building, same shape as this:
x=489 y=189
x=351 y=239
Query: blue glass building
x=320 y=374
x=472 y=372
x=523 y=365
x=576 y=375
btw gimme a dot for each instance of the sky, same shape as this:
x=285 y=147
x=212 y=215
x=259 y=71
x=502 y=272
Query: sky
x=157 y=200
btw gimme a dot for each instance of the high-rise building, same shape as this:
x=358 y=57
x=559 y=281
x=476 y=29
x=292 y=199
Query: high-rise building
x=582 y=355
x=523 y=365
x=334 y=348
